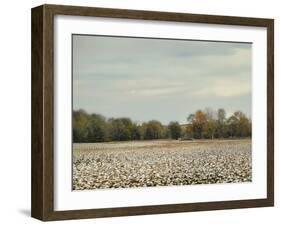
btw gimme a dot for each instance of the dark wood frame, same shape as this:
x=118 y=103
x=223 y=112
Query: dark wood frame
x=42 y=203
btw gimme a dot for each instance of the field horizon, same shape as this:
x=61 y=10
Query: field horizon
x=194 y=140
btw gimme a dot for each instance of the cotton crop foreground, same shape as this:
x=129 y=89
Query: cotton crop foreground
x=160 y=163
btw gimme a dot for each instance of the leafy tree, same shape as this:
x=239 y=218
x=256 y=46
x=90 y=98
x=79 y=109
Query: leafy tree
x=191 y=118
x=120 y=129
x=221 y=130
x=80 y=124
x=239 y=125
x=175 y=130
x=198 y=122
x=165 y=132
x=189 y=131
x=210 y=125
x=97 y=131
x=209 y=129
x=221 y=115
x=206 y=124
x=136 y=132
x=152 y=130
x=232 y=124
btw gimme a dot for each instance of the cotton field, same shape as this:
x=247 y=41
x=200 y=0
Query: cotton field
x=160 y=163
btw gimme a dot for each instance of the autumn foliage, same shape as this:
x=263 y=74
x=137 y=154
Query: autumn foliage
x=207 y=124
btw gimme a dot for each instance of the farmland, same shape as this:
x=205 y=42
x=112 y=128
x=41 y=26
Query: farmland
x=160 y=163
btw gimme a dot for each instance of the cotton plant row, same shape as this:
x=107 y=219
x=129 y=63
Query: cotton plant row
x=160 y=163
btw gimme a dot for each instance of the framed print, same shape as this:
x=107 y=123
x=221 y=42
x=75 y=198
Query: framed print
x=142 y=112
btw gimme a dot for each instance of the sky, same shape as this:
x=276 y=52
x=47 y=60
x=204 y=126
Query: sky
x=166 y=80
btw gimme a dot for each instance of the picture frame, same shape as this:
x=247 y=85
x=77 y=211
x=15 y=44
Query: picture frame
x=43 y=107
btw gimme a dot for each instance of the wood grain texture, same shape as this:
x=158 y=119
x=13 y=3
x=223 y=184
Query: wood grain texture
x=155 y=15
x=37 y=159
x=270 y=111
x=42 y=113
x=43 y=107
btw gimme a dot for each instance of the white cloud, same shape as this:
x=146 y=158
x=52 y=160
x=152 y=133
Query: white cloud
x=224 y=88
x=156 y=91
x=144 y=78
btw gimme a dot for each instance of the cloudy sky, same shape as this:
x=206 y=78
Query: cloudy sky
x=159 y=79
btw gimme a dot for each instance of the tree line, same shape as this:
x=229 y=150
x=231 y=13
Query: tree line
x=207 y=124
